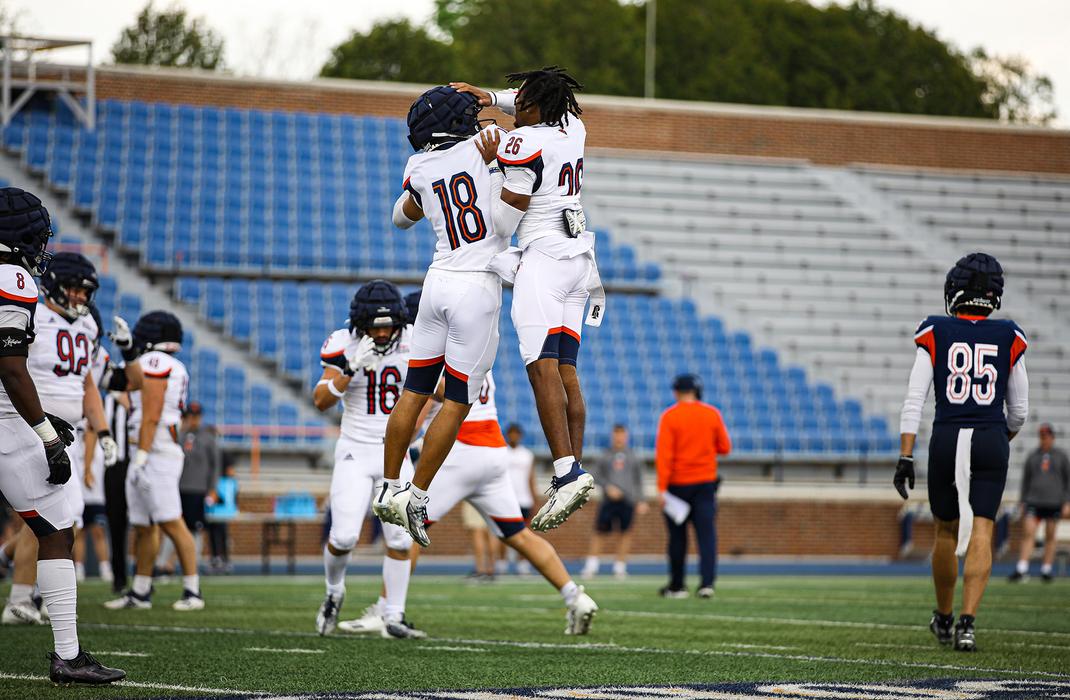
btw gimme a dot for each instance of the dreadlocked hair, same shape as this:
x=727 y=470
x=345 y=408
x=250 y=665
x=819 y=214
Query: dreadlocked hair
x=552 y=90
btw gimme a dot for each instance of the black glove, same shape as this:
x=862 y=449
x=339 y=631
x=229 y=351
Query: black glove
x=59 y=464
x=904 y=474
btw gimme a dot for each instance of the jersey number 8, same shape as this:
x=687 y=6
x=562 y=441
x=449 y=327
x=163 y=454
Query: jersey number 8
x=467 y=223
x=961 y=382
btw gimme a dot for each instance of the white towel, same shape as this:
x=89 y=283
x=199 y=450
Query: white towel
x=963 y=448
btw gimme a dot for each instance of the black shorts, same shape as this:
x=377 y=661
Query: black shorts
x=989 y=457
x=94 y=514
x=526 y=514
x=193 y=510
x=614 y=512
x=1044 y=512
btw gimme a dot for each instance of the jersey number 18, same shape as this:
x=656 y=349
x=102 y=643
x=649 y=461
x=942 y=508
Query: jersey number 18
x=466 y=223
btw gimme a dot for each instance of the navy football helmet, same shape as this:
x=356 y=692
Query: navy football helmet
x=378 y=304
x=412 y=304
x=158 y=330
x=67 y=271
x=976 y=280
x=25 y=228
x=442 y=114
x=688 y=382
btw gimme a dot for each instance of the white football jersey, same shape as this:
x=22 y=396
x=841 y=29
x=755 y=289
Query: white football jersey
x=519 y=462
x=452 y=185
x=161 y=365
x=484 y=407
x=18 y=301
x=370 y=396
x=545 y=162
x=60 y=359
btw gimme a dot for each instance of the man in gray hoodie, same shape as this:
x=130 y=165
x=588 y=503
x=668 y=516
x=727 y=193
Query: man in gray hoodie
x=200 y=470
x=1045 y=497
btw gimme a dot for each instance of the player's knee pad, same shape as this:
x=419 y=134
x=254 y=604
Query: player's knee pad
x=396 y=538
x=342 y=541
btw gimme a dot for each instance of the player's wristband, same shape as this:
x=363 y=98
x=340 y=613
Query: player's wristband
x=46 y=431
x=101 y=434
x=335 y=392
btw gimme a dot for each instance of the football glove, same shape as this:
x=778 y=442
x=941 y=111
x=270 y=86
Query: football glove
x=123 y=338
x=56 y=434
x=109 y=447
x=138 y=473
x=904 y=475
x=362 y=356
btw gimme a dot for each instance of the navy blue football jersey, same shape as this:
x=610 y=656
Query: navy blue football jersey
x=972 y=360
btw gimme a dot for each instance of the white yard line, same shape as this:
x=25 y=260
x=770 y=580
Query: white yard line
x=135 y=654
x=285 y=651
x=442 y=647
x=150 y=686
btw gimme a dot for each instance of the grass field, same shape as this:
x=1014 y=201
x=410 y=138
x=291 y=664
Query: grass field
x=257 y=637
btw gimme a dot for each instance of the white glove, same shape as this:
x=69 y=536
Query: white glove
x=138 y=473
x=120 y=335
x=110 y=449
x=362 y=356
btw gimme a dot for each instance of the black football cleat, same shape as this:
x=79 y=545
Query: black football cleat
x=1018 y=577
x=82 y=669
x=942 y=627
x=965 y=637
x=1047 y=577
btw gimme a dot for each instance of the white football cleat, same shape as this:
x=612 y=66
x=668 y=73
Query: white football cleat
x=397 y=627
x=189 y=601
x=580 y=614
x=327 y=617
x=370 y=622
x=129 y=601
x=383 y=506
x=567 y=495
x=24 y=613
x=411 y=516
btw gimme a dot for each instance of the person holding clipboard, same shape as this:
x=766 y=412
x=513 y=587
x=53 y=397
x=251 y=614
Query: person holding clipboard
x=691 y=435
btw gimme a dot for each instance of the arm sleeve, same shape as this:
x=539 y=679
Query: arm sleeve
x=921 y=378
x=505 y=100
x=1017 y=397
x=14 y=339
x=520 y=180
x=399 y=218
x=665 y=444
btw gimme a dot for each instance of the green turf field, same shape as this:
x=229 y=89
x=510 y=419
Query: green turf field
x=257 y=635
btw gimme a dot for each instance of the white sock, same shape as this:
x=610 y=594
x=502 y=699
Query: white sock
x=60 y=591
x=569 y=592
x=79 y=571
x=394 y=485
x=105 y=571
x=1045 y=569
x=419 y=496
x=1023 y=566
x=4 y=558
x=20 y=593
x=381 y=604
x=620 y=567
x=192 y=583
x=142 y=585
x=335 y=568
x=563 y=466
x=396 y=573
x=591 y=564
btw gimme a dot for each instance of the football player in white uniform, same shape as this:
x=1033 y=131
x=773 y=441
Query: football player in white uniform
x=364 y=368
x=542 y=162
x=34 y=464
x=449 y=181
x=60 y=362
x=152 y=494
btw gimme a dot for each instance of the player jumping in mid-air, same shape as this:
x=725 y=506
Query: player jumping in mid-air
x=542 y=162
x=152 y=493
x=364 y=367
x=33 y=461
x=60 y=362
x=448 y=181
x=976 y=366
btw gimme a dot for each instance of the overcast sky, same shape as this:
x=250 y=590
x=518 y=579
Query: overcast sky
x=282 y=38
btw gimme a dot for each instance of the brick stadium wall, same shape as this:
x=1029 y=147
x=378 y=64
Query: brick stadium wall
x=826 y=137
x=744 y=527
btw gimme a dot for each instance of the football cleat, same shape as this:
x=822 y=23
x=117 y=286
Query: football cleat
x=706 y=592
x=327 y=617
x=370 y=622
x=942 y=627
x=130 y=601
x=400 y=628
x=383 y=507
x=24 y=613
x=1018 y=577
x=580 y=613
x=566 y=495
x=676 y=593
x=1046 y=577
x=965 y=637
x=39 y=603
x=189 y=601
x=410 y=516
x=82 y=669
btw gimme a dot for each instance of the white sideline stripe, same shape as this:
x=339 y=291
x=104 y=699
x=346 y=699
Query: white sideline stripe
x=441 y=647
x=286 y=651
x=149 y=686
x=1025 y=645
x=615 y=647
x=136 y=654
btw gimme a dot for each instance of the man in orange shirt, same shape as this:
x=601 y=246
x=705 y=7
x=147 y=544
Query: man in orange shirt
x=690 y=436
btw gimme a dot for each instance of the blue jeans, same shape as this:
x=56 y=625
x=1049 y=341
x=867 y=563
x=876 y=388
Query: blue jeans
x=703 y=517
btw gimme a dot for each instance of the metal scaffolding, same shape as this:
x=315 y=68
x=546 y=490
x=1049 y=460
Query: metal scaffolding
x=27 y=72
